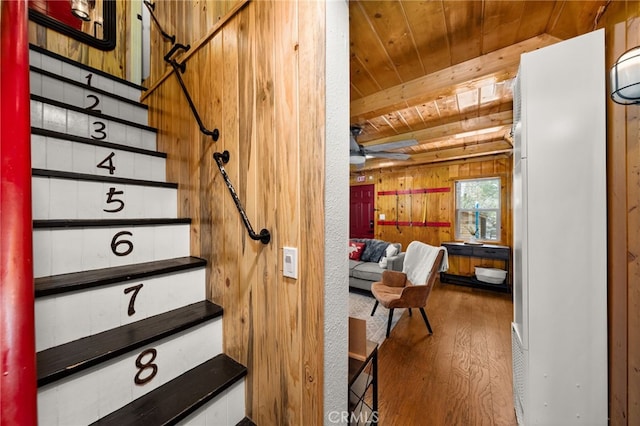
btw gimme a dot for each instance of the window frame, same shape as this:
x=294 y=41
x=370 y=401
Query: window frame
x=458 y=211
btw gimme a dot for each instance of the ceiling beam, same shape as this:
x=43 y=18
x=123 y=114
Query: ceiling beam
x=451 y=129
x=468 y=151
x=468 y=75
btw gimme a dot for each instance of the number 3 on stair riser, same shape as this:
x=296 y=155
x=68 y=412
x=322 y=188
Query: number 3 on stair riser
x=98 y=131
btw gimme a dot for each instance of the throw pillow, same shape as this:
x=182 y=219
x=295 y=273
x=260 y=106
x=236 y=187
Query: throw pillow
x=355 y=250
x=390 y=251
x=374 y=250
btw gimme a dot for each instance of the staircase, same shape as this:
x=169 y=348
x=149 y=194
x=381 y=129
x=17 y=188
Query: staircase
x=124 y=333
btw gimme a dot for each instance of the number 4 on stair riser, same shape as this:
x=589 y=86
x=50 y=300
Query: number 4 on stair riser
x=107 y=163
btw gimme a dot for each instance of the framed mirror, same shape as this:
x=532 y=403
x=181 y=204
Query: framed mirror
x=90 y=21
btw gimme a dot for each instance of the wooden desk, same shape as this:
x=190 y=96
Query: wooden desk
x=363 y=377
x=485 y=251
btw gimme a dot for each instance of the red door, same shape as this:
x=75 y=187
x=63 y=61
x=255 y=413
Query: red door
x=361 y=211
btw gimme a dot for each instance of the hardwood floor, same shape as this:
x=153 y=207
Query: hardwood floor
x=460 y=375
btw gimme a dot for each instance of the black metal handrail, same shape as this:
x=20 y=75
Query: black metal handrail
x=181 y=68
x=264 y=236
x=151 y=7
x=220 y=158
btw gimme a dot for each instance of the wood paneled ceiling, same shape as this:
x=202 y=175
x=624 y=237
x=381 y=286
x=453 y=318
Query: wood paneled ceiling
x=441 y=71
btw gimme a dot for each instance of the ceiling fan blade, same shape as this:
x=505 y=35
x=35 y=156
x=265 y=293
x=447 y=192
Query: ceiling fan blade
x=390 y=145
x=391 y=155
x=353 y=145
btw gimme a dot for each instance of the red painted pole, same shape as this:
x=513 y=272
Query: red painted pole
x=18 y=394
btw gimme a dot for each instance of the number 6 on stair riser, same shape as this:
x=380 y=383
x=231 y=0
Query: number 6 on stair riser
x=115 y=244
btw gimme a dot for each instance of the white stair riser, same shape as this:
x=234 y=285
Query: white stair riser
x=51 y=117
x=87 y=396
x=51 y=88
x=55 y=198
x=63 y=250
x=62 y=155
x=227 y=409
x=107 y=307
x=78 y=74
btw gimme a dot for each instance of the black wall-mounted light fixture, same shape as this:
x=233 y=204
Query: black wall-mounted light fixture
x=625 y=78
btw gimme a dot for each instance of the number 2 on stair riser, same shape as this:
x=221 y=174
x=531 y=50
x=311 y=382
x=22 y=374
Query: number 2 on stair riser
x=95 y=102
x=142 y=366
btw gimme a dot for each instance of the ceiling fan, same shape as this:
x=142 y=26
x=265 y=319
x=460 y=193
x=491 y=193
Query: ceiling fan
x=358 y=153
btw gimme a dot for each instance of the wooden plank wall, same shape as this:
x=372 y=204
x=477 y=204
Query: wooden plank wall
x=621 y=22
x=113 y=62
x=260 y=81
x=436 y=206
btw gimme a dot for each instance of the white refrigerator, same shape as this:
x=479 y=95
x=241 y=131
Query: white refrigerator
x=559 y=331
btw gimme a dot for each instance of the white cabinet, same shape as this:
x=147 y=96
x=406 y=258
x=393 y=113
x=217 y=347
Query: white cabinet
x=560 y=242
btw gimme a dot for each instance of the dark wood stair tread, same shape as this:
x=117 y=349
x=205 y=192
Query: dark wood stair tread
x=91 y=112
x=64 y=360
x=88 y=141
x=63 y=283
x=86 y=86
x=100 y=178
x=62 y=58
x=86 y=223
x=246 y=422
x=175 y=400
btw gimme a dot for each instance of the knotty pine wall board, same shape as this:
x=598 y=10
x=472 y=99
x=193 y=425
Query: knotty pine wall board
x=621 y=21
x=260 y=80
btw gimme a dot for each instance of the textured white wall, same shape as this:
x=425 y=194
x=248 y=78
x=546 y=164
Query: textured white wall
x=336 y=295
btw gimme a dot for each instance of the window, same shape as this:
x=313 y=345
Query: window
x=478 y=209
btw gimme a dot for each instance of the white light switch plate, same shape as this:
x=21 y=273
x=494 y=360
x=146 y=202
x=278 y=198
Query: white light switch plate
x=290 y=262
